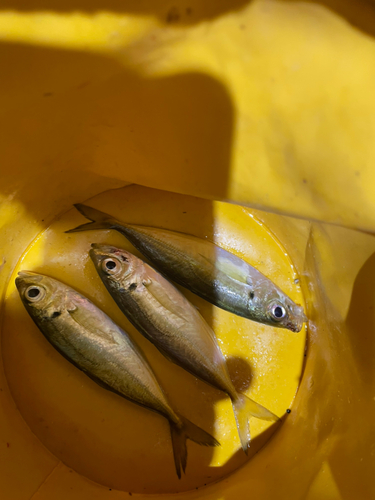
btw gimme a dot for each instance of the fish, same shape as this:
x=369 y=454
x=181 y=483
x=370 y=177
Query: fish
x=211 y=272
x=163 y=315
x=92 y=342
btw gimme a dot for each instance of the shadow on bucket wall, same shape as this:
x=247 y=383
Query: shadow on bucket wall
x=187 y=12
x=167 y=11
x=339 y=379
x=81 y=112
x=57 y=142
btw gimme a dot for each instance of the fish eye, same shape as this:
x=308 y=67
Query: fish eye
x=110 y=266
x=278 y=312
x=34 y=293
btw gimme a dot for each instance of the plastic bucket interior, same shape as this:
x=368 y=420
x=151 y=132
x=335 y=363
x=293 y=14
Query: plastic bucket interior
x=249 y=123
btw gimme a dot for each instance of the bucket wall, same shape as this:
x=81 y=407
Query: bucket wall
x=266 y=104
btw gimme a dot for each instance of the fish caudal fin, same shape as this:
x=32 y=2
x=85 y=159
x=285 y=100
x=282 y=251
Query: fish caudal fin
x=245 y=407
x=99 y=220
x=180 y=434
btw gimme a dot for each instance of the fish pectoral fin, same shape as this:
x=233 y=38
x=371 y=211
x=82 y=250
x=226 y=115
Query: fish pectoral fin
x=84 y=320
x=76 y=317
x=249 y=281
x=227 y=268
x=166 y=303
x=161 y=300
x=71 y=307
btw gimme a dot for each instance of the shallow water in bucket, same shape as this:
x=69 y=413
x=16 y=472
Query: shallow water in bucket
x=109 y=439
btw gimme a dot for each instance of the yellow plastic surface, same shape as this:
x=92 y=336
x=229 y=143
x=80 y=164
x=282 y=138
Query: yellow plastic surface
x=265 y=103
x=100 y=435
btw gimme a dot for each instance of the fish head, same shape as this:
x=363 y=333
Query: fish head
x=39 y=292
x=114 y=265
x=282 y=312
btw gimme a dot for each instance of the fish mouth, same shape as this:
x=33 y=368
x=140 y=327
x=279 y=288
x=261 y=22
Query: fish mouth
x=26 y=277
x=297 y=319
x=102 y=249
x=99 y=252
x=27 y=274
x=297 y=326
x=294 y=328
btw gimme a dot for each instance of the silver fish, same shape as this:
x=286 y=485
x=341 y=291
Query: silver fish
x=206 y=269
x=91 y=341
x=165 y=317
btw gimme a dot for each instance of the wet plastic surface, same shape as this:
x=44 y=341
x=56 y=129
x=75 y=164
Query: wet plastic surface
x=99 y=434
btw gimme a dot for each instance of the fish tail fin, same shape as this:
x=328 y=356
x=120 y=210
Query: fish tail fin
x=99 y=220
x=180 y=433
x=245 y=407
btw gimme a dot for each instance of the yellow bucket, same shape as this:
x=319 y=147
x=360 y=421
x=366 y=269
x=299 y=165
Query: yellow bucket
x=248 y=123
